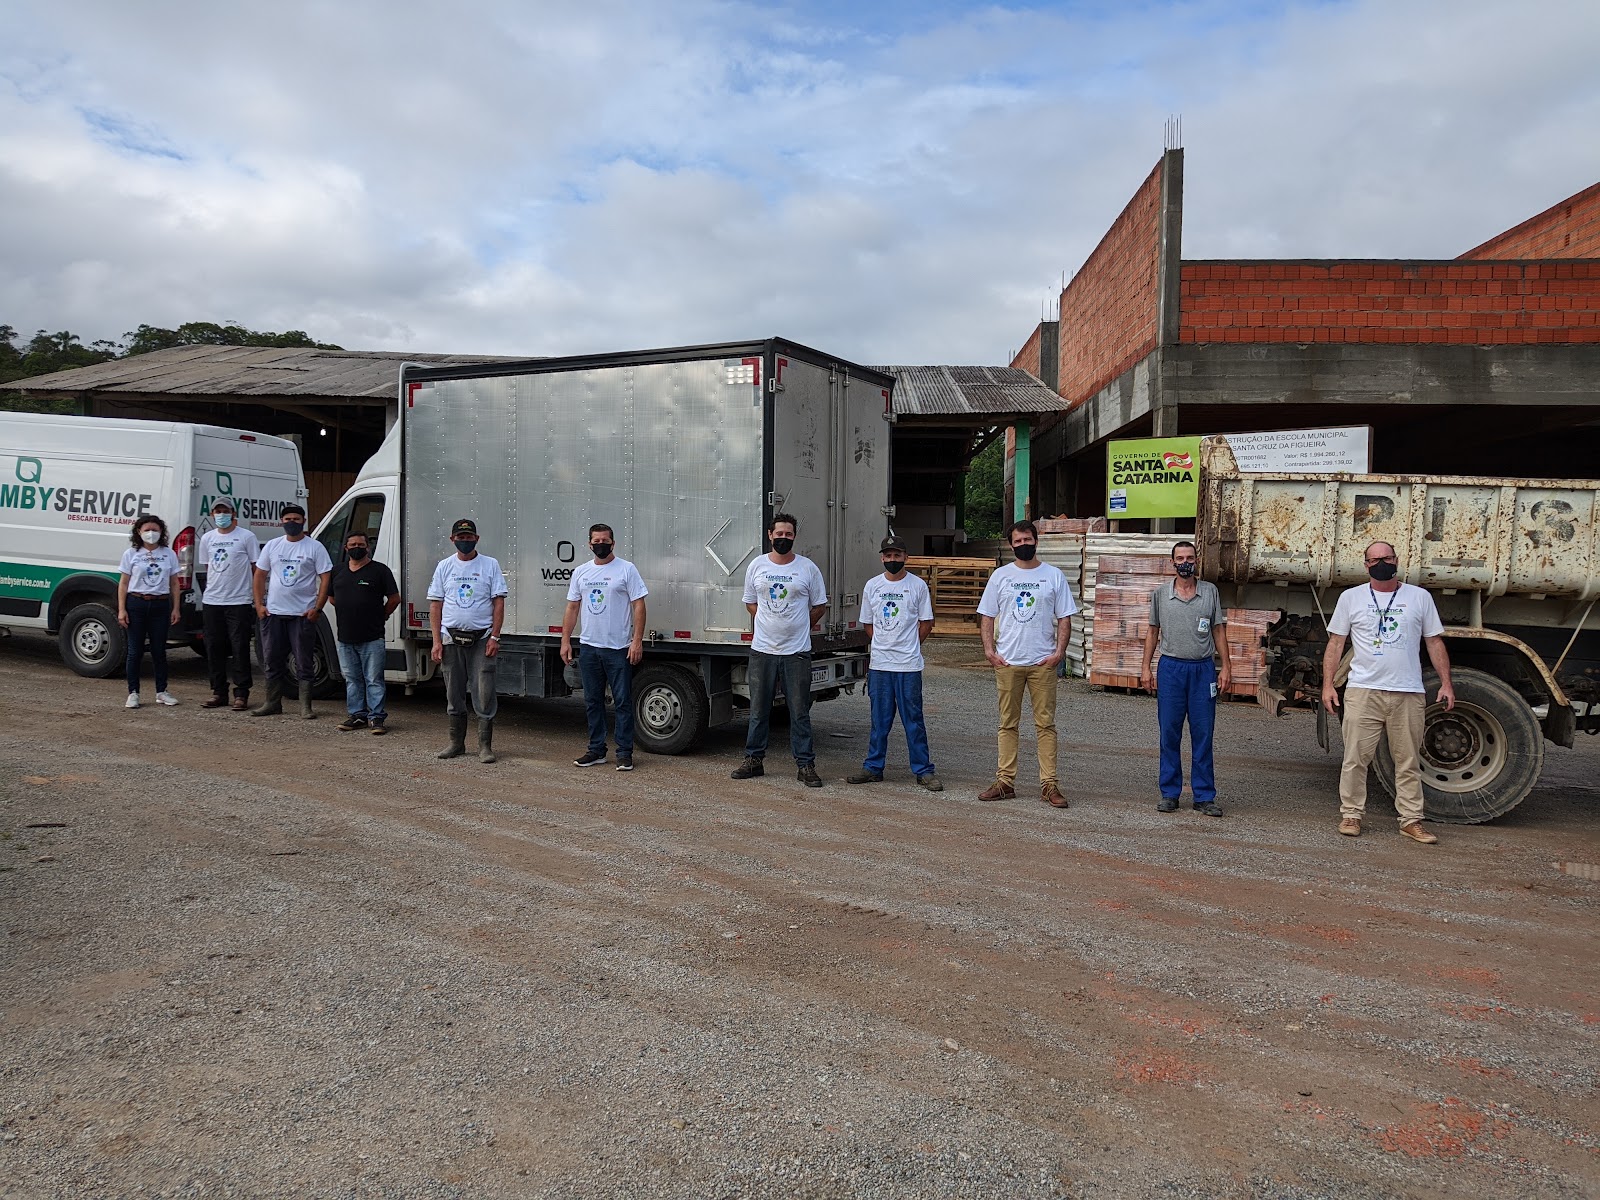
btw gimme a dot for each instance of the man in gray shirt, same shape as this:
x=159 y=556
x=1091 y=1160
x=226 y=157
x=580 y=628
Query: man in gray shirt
x=1186 y=615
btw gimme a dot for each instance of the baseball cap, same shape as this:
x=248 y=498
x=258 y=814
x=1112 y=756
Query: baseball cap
x=893 y=543
x=464 y=526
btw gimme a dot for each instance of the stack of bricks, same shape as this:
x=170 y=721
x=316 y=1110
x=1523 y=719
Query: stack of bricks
x=1122 y=618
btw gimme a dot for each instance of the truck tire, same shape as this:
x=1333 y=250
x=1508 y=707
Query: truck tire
x=326 y=680
x=92 y=643
x=669 y=709
x=1479 y=760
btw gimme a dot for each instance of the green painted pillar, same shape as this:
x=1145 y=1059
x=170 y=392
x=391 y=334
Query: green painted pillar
x=1021 y=474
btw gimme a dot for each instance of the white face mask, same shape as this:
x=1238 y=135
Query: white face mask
x=150 y=536
x=224 y=519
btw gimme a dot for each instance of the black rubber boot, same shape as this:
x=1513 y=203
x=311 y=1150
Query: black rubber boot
x=458 y=738
x=486 y=740
x=273 y=704
x=305 y=703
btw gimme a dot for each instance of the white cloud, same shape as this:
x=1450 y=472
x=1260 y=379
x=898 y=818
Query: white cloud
x=501 y=177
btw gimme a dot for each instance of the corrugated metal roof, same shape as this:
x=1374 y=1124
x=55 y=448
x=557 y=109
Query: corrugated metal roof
x=246 y=371
x=989 y=393
x=970 y=392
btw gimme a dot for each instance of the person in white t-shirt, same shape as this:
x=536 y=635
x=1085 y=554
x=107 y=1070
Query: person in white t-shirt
x=291 y=590
x=228 y=556
x=1025 y=617
x=466 y=608
x=1387 y=623
x=785 y=595
x=148 y=602
x=607 y=594
x=898 y=615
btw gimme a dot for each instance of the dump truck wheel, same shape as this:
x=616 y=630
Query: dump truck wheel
x=669 y=709
x=1478 y=760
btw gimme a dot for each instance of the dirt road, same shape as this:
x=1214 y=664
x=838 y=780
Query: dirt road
x=262 y=958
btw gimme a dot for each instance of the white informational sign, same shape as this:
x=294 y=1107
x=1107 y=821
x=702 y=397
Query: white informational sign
x=1301 y=451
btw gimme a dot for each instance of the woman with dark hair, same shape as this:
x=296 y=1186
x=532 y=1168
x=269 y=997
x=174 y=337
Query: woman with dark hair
x=147 y=602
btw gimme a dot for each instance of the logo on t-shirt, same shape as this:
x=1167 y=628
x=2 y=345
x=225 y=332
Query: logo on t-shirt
x=889 y=610
x=464 y=592
x=219 y=558
x=290 y=574
x=778 y=598
x=597 y=600
x=152 y=571
x=1025 y=603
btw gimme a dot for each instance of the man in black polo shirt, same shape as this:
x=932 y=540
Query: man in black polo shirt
x=364 y=593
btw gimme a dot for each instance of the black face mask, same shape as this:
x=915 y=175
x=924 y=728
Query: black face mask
x=1383 y=571
x=466 y=547
x=357 y=553
x=294 y=528
x=1025 y=552
x=601 y=549
x=893 y=566
x=782 y=545
x=1185 y=569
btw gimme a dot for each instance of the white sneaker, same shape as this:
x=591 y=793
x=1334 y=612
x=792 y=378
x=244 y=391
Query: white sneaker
x=133 y=700
x=166 y=698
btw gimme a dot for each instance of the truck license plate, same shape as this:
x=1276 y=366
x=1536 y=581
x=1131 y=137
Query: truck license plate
x=820 y=675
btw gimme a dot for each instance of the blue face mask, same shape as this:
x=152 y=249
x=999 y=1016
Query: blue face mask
x=224 y=520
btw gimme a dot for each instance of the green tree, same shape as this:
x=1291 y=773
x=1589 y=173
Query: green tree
x=986 y=490
x=207 y=333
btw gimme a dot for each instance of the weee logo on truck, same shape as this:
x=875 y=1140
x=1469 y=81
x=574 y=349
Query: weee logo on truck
x=30 y=492
x=248 y=509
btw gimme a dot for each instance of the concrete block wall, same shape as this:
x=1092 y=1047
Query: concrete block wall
x=1570 y=229
x=1455 y=301
x=1110 y=308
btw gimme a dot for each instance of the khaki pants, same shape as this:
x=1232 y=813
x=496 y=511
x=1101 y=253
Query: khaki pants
x=1368 y=715
x=1040 y=683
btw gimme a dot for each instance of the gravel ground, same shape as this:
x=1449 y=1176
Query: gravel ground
x=262 y=958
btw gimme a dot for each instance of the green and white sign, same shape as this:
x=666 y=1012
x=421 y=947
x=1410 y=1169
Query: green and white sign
x=1153 y=477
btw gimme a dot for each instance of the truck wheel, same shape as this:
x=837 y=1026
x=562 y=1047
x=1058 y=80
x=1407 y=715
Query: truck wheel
x=669 y=709
x=1480 y=759
x=92 y=643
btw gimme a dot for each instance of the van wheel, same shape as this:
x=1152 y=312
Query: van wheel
x=669 y=709
x=92 y=643
x=1480 y=759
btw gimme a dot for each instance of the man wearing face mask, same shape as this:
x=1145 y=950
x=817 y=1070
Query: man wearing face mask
x=608 y=595
x=898 y=614
x=1025 y=618
x=1387 y=623
x=1186 y=615
x=228 y=556
x=364 y=594
x=291 y=588
x=466 y=608
x=785 y=595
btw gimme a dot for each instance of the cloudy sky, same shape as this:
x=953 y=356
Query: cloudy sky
x=891 y=181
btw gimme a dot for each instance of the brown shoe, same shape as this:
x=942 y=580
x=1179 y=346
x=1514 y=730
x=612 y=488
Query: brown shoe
x=240 y=703
x=216 y=701
x=1051 y=795
x=1415 y=831
x=999 y=790
x=1350 y=826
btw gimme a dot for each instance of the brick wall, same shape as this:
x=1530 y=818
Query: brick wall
x=1570 y=229
x=1472 y=303
x=1109 y=309
x=1027 y=359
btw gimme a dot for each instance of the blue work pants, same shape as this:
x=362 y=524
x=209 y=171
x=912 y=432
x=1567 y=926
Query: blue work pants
x=601 y=668
x=892 y=692
x=1184 y=692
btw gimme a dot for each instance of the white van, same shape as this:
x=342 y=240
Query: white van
x=70 y=488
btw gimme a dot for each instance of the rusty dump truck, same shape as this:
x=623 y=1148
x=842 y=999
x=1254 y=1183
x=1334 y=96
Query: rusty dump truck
x=1513 y=564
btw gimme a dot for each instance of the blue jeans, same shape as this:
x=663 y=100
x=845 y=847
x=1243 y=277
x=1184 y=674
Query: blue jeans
x=600 y=668
x=1183 y=690
x=148 y=619
x=762 y=677
x=891 y=692
x=361 y=664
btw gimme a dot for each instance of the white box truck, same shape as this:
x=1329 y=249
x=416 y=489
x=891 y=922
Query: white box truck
x=686 y=453
x=70 y=488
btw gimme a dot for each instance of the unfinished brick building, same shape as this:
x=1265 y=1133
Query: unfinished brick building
x=1485 y=364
